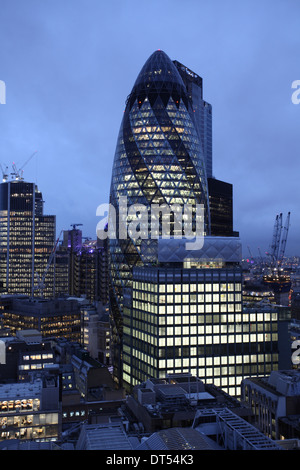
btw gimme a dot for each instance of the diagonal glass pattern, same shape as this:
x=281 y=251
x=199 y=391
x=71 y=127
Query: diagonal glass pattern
x=158 y=160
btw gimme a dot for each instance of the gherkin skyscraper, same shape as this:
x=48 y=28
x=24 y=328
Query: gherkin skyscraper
x=159 y=159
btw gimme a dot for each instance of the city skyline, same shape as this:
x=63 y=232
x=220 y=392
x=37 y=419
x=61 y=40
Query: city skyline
x=62 y=66
x=165 y=135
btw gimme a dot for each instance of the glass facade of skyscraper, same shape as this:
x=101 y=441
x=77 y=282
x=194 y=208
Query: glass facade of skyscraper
x=27 y=238
x=159 y=159
x=192 y=321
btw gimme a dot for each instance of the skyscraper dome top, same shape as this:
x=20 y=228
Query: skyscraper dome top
x=158 y=68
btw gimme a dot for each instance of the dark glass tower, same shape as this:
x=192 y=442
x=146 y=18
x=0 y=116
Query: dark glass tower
x=221 y=208
x=202 y=110
x=159 y=159
x=27 y=238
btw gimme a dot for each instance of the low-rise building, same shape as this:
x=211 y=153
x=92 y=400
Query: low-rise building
x=31 y=410
x=96 y=332
x=89 y=393
x=275 y=402
x=24 y=353
x=173 y=402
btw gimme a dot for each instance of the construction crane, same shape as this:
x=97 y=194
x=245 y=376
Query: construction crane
x=75 y=225
x=276 y=238
x=4 y=173
x=18 y=174
x=280 y=234
x=21 y=169
x=251 y=257
x=260 y=255
x=15 y=173
x=279 y=282
x=41 y=280
x=284 y=239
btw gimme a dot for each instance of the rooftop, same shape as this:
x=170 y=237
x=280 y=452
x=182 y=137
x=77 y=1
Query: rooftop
x=158 y=68
x=283 y=382
x=110 y=436
x=237 y=432
x=36 y=307
x=178 y=439
x=22 y=390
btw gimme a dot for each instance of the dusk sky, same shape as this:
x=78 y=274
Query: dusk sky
x=69 y=65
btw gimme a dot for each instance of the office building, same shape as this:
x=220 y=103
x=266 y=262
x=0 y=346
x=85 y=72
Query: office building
x=51 y=317
x=274 y=401
x=95 y=330
x=221 y=208
x=72 y=239
x=25 y=353
x=190 y=318
x=27 y=238
x=201 y=112
x=172 y=310
x=61 y=264
x=89 y=393
x=93 y=380
x=31 y=410
x=159 y=159
x=90 y=275
x=87 y=266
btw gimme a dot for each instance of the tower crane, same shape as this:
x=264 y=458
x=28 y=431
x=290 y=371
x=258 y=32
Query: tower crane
x=15 y=172
x=21 y=169
x=18 y=174
x=41 y=280
x=279 y=240
x=276 y=236
x=279 y=232
x=279 y=282
x=4 y=173
x=251 y=257
x=284 y=238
